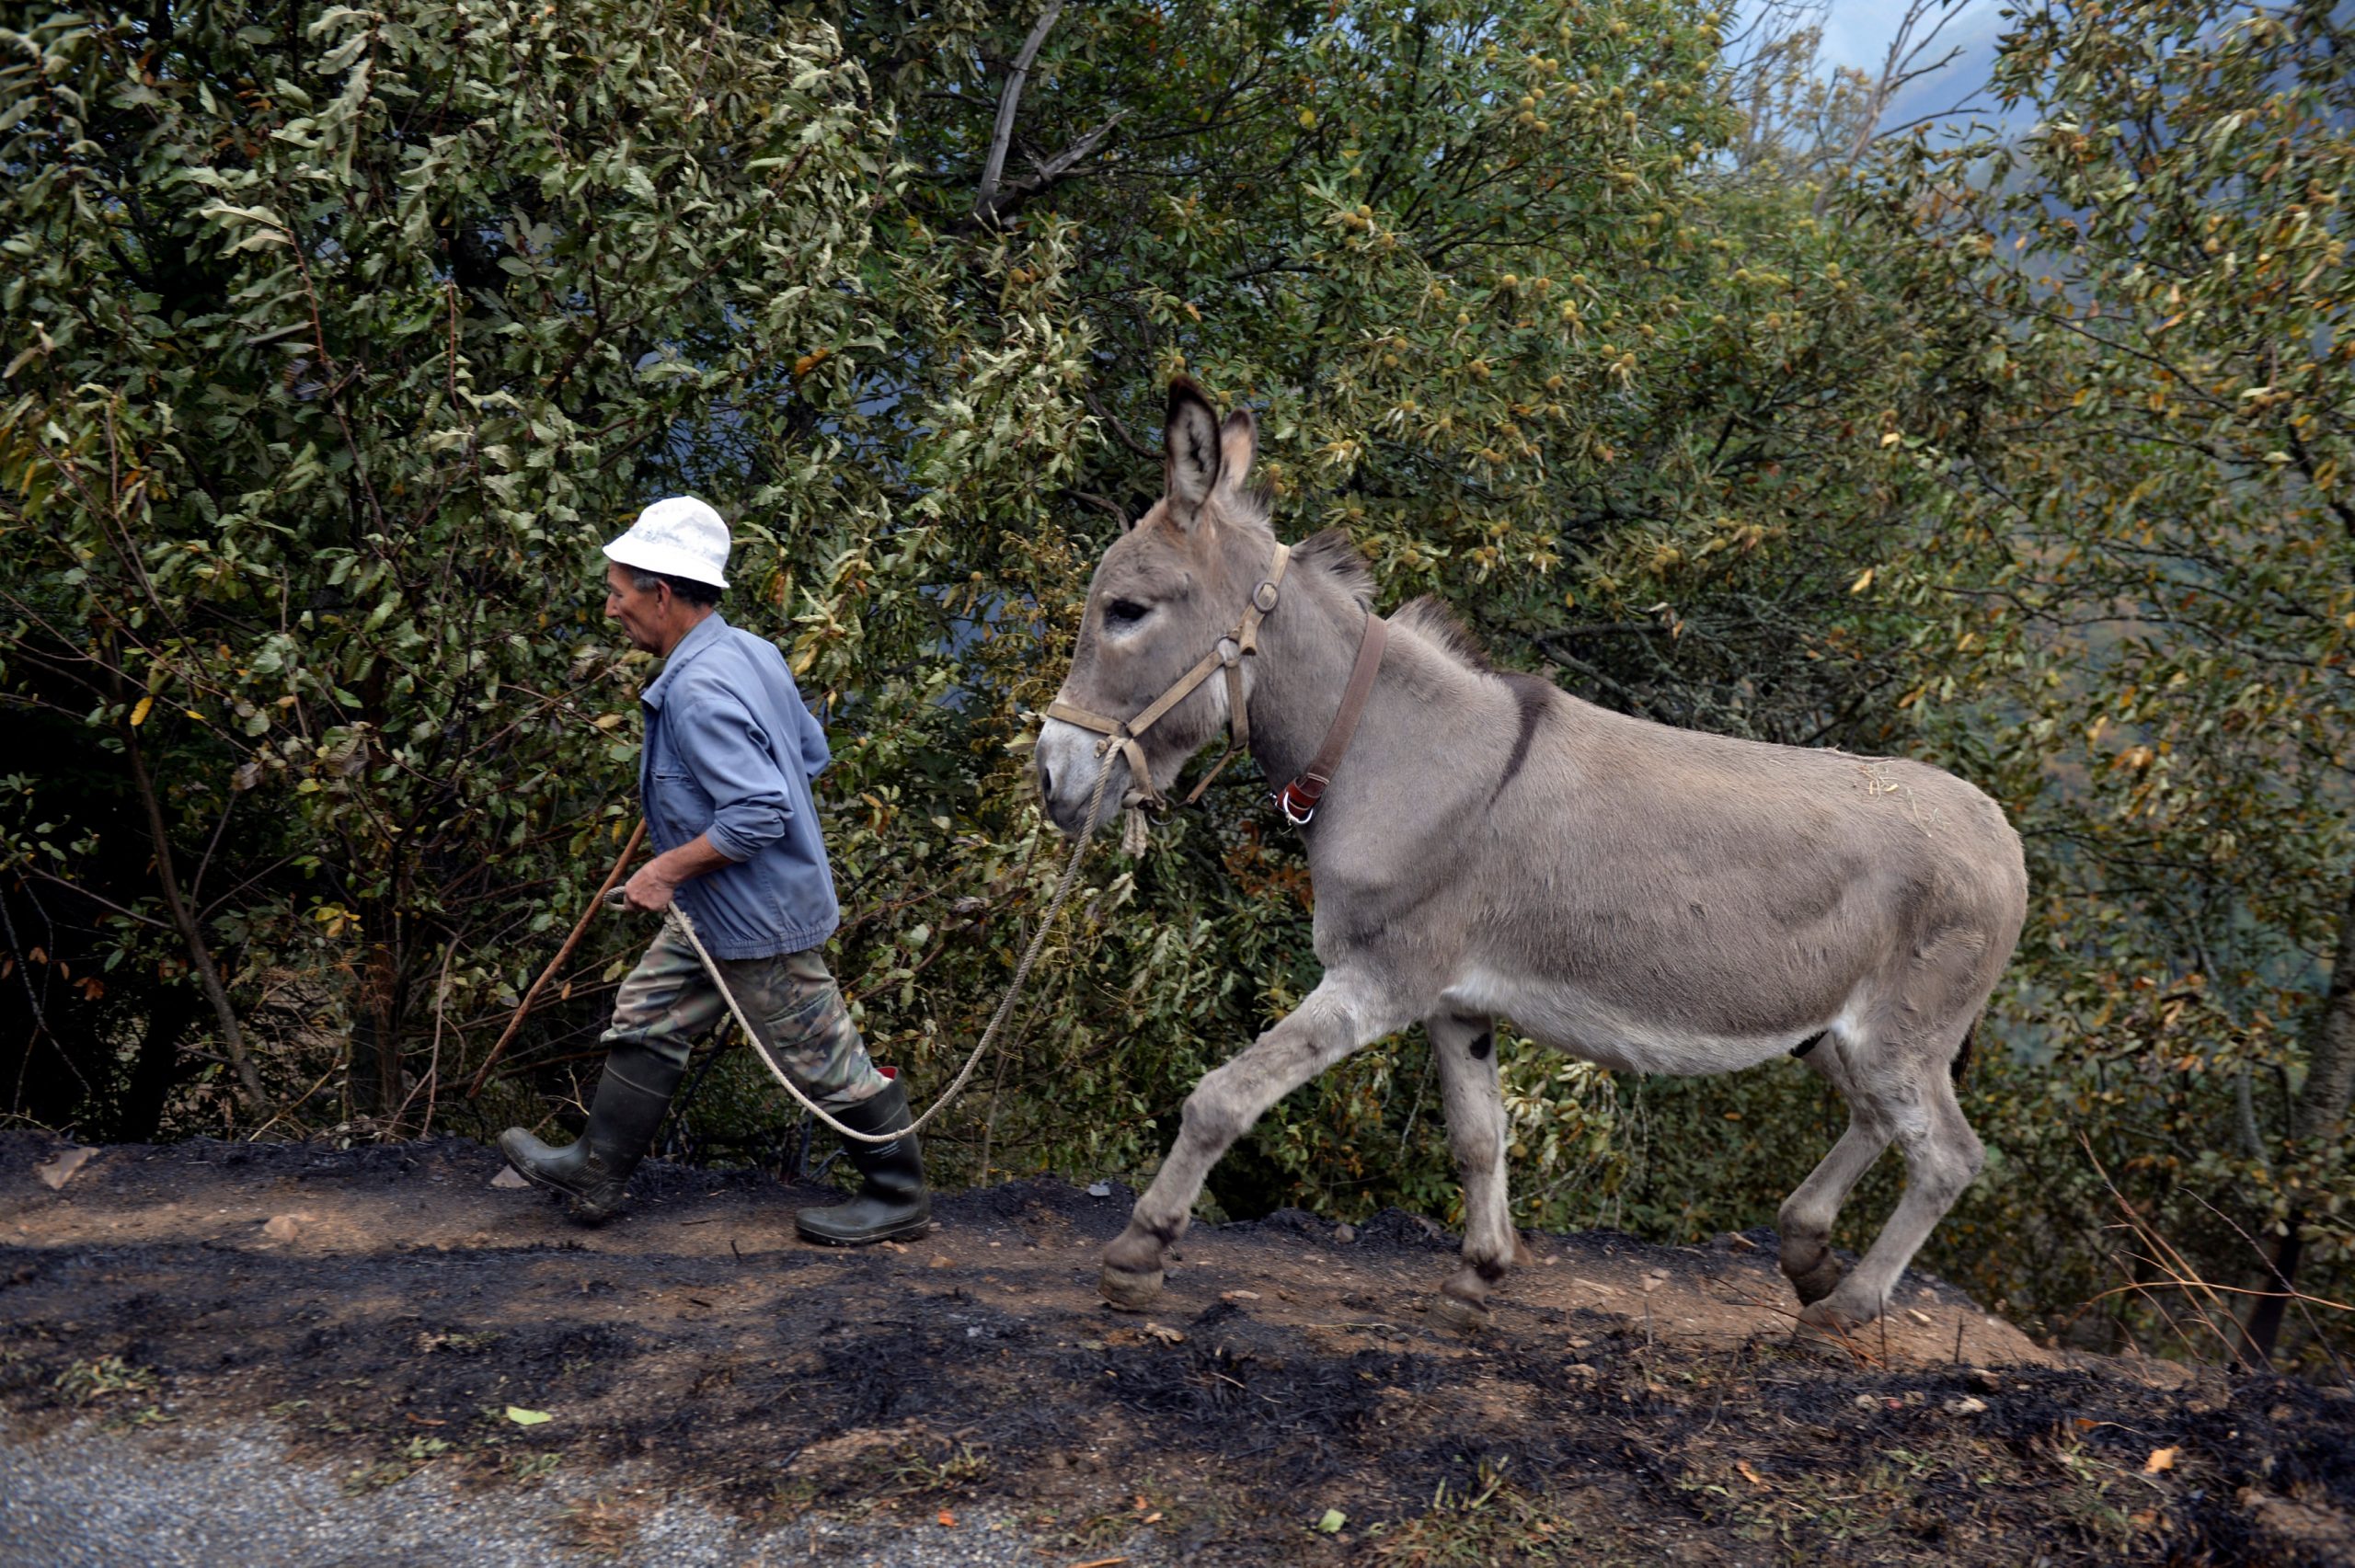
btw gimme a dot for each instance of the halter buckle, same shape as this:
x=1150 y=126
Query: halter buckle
x=1263 y=598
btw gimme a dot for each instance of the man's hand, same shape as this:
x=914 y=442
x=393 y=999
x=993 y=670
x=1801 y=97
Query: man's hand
x=650 y=888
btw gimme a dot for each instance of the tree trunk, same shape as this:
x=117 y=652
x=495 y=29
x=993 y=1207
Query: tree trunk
x=2265 y=1319
x=2317 y=1115
x=156 y=1070
x=376 y=1035
x=2330 y=1044
x=233 y=1036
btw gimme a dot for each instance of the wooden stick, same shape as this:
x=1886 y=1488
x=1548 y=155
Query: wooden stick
x=637 y=836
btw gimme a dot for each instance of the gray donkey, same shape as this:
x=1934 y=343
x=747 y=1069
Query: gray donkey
x=1648 y=898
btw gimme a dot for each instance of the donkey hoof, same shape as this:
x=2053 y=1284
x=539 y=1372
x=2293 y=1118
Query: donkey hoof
x=1839 y=1314
x=1831 y=1320
x=1130 y=1289
x=1817 y=1281
x=1470 y=1317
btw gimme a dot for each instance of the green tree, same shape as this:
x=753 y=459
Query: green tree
x=345 y=336
x=2156 y=624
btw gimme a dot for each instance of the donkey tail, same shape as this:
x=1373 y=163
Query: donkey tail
x=1961 y=1063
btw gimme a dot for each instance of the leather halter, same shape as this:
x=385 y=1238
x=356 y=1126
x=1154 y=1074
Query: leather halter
x=1299 y=797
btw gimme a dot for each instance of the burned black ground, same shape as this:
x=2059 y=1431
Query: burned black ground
x=387 y=1308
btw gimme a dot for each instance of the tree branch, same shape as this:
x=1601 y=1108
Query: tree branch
x=1119 y=431
x=1051 y=171
x=1002 y=133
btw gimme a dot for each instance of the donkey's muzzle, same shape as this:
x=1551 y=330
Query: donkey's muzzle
x=1067 y=760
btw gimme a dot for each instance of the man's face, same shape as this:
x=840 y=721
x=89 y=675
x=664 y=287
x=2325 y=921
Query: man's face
x=644 y=613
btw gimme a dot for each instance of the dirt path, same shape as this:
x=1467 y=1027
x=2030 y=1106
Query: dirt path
x=316 y=1356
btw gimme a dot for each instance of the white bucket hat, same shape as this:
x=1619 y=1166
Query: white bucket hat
x=678 y=536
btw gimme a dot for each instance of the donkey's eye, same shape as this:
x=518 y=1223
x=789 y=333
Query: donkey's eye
x=1122 y=613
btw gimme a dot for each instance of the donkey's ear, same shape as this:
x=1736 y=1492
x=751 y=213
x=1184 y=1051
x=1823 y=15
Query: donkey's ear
x=1190 y=452
x=1239 y=443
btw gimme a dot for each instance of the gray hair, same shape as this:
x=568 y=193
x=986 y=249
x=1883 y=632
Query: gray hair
x=685 y=589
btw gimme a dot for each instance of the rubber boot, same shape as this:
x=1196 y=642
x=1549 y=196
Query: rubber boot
x=593 y=1174
x=892 y=1202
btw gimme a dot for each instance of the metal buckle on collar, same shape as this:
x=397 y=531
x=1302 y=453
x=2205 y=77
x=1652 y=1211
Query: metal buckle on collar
x=1298 y=809
x=1264 y=596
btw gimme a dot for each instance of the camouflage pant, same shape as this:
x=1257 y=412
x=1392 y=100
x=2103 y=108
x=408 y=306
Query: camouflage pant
x=668 y=1002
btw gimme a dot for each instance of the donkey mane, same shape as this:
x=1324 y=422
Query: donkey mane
x=1433 y=620
x=1331 y=553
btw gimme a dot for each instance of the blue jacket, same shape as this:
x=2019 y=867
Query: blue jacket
x=730 y=752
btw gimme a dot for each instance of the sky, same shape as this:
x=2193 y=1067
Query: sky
x=1856 y=33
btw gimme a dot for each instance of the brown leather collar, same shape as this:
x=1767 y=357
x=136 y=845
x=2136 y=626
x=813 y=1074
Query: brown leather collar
x=1299 y=797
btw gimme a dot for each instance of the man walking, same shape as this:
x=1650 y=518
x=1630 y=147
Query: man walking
x=725 y=778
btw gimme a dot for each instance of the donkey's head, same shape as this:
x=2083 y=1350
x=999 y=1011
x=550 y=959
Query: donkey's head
x=1165 y=593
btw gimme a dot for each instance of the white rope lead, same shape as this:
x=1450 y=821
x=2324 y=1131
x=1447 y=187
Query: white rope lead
x=1004 y=1006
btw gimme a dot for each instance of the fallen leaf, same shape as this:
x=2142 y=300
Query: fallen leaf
x=948 y=1520
x=1749 y=1474
x=55 y=1173
x=508 y=1177
x=1968 y=1404
x=1167 y=1336
x=1332 y=1522
x=2160 y=1459
x=521 y=1417
x=942 y=1262
x=1918 y=1316
x=284 y=1227
x=1238 y=1296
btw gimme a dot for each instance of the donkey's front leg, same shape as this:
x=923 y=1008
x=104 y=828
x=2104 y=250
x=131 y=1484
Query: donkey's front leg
x=1338 y=1018
x=1466 y=1048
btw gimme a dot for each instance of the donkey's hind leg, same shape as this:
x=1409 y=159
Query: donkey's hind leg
x=1337 y=1017
x=1807 y=1216
x=1942 y=1157
x=1465 y=1048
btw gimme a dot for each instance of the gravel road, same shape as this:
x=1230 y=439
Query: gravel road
x=86 y=1497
